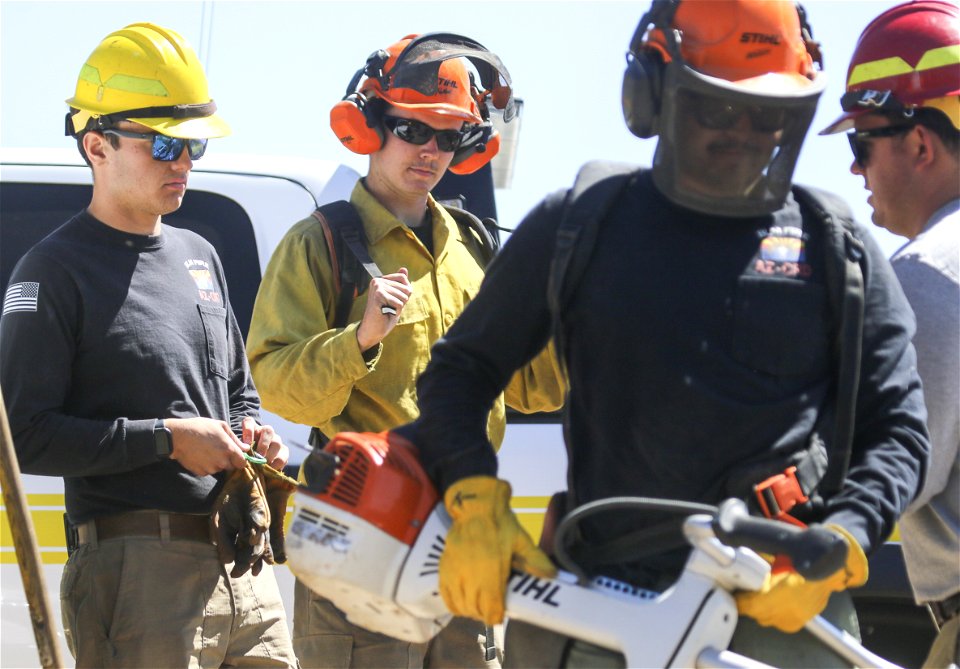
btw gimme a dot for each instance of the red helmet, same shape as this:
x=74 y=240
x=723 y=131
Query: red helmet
x=907 y=57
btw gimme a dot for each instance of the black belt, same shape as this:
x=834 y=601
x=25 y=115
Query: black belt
x=153 y=524
x=946 y=609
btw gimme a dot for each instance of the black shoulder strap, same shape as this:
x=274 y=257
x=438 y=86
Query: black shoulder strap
x=596 y=188
x=844 y=253
x=342 y=227
x=473 y=227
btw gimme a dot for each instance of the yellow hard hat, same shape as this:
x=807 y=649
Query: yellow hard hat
x=149 y=75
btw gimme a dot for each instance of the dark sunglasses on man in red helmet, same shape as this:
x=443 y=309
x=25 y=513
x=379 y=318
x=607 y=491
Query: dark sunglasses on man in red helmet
x=415 y=132
x=860 y=140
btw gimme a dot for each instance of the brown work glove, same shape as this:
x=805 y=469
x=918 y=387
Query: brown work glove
x=278 y=488
x=241 y=521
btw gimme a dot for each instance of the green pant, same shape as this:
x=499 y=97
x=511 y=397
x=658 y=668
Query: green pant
x=945 y=651
x=324 y=639
x=141 y=602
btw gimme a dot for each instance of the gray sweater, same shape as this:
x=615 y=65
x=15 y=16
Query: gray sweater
x=928 y=270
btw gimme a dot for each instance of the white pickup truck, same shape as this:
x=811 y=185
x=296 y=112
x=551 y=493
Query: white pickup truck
x=243 y=205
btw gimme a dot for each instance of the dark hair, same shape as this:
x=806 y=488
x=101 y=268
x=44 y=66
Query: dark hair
x=113 y=139
x=933 y=120
x=939 y=124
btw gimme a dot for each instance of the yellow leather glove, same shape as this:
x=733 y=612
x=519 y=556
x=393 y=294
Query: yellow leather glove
x=484 y=540
x=788 y=601
x=241 y=522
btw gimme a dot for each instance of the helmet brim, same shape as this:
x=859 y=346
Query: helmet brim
x=780 y=84
x=843 y=122
x=442 y=110
x=201 y=127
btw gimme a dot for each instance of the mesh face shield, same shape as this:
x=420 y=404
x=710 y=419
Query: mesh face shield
x=726 y=149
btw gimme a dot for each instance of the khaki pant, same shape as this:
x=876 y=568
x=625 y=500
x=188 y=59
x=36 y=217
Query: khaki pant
x=945 y=651
x=324 y=639
x=528 y=646
x=142 y=602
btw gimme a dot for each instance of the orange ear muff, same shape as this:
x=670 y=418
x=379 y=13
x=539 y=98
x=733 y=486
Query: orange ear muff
x=474 y=158
x=349 y=123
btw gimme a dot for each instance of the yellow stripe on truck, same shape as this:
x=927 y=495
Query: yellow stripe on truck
x=530 y=511
x=46 y=512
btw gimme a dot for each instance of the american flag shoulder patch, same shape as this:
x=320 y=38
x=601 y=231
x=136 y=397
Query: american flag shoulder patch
x=21 y=297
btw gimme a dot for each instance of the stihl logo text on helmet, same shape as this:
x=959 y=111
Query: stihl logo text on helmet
x=526 y=585
x=446 y=86
x=759 y=38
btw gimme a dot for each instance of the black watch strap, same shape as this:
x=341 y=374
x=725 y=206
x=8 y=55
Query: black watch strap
x=162 y=440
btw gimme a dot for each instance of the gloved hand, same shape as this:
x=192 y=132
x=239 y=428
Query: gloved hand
x=278 y=487
x=482 y=543
x=788 y=601
x=241 y=521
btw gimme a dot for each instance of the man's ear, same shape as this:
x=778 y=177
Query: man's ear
x=926 y=147
x=94 y=144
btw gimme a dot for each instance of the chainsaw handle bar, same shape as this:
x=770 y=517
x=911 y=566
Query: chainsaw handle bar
x=816 y=552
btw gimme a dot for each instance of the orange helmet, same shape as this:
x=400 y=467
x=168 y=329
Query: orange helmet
x=450 y=93
x=907 y=57
x=428 y=73
x=729 y=54
x=754 y=44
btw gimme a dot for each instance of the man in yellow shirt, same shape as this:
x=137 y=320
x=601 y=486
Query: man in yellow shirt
x=417 y=112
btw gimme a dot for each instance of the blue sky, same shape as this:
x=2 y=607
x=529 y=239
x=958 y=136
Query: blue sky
x=276 y=68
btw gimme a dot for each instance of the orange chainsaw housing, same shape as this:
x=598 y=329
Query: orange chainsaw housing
x=380 y=480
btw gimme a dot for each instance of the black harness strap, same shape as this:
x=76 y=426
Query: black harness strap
x=845 y=278
x=598 y=185
x=342 y=226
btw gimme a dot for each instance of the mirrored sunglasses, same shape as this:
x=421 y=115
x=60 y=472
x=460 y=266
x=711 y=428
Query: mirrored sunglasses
x=860 y=140
x=415 y=132
x=166 y=148
x=715 y=114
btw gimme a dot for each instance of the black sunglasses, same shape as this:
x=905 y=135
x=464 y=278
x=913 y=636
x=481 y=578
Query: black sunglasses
x=860 y=140
x=415 y=132
x=166 y=148
x=716 y=114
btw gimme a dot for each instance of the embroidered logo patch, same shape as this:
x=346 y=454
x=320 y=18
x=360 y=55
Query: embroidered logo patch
x=783 y=251
x=200 y=273
x=21 y=297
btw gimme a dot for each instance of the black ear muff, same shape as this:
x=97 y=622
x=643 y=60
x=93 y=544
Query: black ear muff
x=642 y=91
x=482 y=142
x=356 y=119
x=477 y=150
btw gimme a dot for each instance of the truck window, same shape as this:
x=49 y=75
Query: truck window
x=31 y=211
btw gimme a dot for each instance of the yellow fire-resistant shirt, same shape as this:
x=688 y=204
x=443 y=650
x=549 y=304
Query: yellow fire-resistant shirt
x=310 y=373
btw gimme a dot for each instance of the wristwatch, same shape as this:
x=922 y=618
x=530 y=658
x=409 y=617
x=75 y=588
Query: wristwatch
x=162 y=439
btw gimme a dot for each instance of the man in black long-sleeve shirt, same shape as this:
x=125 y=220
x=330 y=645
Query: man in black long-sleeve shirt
x=699 y=340
x=124 y=372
